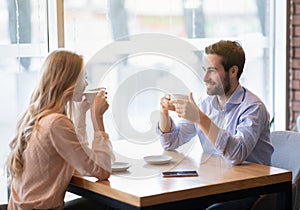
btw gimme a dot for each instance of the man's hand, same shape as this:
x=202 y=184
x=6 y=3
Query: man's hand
x=166 y=104
x=188 y=109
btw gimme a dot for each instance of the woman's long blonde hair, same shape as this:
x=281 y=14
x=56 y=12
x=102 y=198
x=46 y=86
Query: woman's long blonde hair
x=60 y=72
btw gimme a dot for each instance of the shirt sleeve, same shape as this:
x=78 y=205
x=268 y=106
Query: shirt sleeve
x=80 y=125
x=179 y=134
x=95 y=161
x=237 y=147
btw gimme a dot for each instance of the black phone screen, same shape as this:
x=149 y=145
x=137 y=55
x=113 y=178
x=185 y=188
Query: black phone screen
x=179 y=173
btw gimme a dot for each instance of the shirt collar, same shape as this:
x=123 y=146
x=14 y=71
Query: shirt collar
x=236 y=98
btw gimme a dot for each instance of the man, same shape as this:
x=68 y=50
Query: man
x=231 y=121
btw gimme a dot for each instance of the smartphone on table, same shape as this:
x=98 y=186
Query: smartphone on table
x=179 y=173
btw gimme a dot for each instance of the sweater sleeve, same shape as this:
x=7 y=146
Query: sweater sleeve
x=95 y=161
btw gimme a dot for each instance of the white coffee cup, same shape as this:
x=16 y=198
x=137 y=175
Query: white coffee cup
x=91 y=94
x=178 y=96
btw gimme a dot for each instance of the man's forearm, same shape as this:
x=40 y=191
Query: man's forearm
x=165 y=122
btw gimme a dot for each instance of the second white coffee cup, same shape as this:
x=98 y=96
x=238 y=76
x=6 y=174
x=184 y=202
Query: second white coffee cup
x=179 y=97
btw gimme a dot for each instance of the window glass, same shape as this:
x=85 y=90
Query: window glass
x=92 y=27
x=23 y=44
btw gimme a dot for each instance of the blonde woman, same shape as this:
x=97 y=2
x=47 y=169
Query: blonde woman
x=48 y=146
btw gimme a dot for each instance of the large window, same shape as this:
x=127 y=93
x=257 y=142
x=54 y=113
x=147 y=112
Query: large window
x=94 y=26
x=23 y=45
x=136 y=79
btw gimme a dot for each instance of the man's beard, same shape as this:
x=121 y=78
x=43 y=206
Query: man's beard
x=222 y=88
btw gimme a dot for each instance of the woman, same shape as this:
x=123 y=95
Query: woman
x=48 y=146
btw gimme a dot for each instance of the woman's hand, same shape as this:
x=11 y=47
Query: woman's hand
x=84 y=106
x=80 y=112
x=99 y=107
x=100 y=104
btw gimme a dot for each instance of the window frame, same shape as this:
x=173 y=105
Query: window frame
x=281 y=64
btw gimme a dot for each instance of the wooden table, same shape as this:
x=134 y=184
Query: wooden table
x=143 y=187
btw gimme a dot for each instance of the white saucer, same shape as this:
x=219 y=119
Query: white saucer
x=120 y=166
x=158 y=159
